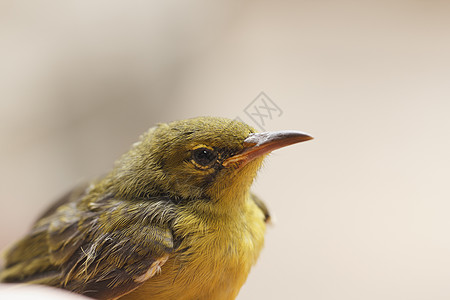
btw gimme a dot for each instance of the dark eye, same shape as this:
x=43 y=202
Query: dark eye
x=204 y=156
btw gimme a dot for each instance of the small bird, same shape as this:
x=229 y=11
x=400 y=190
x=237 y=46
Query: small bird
x=174 y=219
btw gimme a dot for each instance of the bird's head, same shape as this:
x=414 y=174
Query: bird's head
x=201 y=158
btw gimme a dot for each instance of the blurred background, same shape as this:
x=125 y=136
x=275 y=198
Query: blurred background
x=363 y=211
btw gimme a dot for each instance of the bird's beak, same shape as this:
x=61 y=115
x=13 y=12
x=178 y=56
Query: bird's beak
x=258 y=144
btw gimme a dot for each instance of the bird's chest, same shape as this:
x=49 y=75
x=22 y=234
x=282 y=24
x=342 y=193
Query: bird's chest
x=213 y=260
x=218 y=257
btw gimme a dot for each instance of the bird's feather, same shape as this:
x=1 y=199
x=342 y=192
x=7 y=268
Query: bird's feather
x=107 y=251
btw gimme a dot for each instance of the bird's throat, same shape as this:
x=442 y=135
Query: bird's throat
x=232 y=190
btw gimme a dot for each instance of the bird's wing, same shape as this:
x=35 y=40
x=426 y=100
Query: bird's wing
x=104 y=252
x=262 y=206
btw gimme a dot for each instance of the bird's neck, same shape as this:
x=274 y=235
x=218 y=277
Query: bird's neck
x=228 y=206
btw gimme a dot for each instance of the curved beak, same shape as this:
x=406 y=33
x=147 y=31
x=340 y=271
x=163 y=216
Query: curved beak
x=259 y=144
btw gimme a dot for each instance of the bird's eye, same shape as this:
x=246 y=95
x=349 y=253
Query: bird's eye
x=203 y=157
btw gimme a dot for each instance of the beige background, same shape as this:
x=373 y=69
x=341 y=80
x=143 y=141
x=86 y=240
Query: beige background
x=362 y=211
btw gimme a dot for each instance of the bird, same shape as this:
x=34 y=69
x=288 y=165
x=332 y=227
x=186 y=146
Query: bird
x=173 y=219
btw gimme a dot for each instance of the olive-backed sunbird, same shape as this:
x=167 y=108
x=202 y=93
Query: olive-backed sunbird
x=174 y=219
